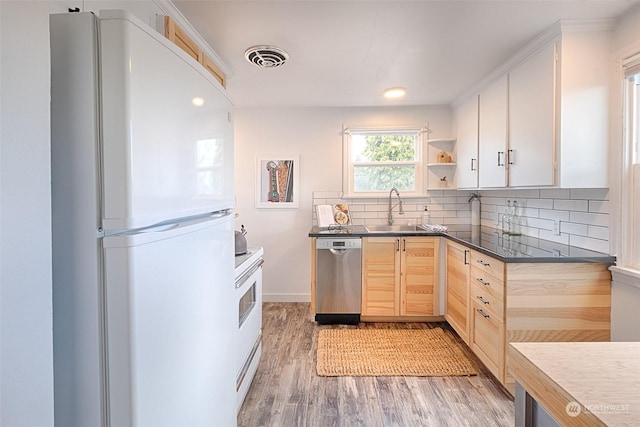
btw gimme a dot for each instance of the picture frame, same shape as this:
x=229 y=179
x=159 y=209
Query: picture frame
x=277 y=182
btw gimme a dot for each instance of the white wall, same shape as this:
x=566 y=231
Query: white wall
x=315 y=135
x=26 y=353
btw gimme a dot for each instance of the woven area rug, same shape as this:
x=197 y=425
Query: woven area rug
x=390 y=352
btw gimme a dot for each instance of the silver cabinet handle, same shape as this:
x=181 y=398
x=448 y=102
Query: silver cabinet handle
x=500 y=153
x=510 y=157
x=466 y=261
x=483 y=263
x=482 y=282
x=482 y=300
x=482 y=313
x=472 y=163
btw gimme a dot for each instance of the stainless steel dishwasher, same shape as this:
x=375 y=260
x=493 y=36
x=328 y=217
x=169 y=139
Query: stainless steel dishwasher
x=338 y=279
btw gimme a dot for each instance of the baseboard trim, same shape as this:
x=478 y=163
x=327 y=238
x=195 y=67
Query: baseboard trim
x=286 y=297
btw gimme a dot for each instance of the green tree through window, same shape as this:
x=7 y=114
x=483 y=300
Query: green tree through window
x=384 y=160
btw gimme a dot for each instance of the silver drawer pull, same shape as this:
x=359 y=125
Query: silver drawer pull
x=481 y=281
x=482 y=313
x=481 y=262
x=482 y=300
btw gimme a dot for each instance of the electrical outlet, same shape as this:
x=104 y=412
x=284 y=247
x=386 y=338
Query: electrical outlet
x=556 y=227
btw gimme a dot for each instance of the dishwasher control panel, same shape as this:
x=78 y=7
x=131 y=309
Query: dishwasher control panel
x=340 y=243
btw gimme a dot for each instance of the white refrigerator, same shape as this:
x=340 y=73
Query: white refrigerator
x=143 y=244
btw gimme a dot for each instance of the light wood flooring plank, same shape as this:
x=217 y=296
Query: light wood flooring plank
x=287 y=392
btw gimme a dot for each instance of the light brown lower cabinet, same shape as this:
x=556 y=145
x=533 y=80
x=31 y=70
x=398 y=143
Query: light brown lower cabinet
x=400 y=277
x=457 y=258
x=525 y=302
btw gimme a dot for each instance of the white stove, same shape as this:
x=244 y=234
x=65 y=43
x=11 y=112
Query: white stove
x=248 y=284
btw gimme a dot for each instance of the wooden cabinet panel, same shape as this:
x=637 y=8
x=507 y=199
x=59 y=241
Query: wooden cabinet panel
x=487 y=300
x=419 y=274
x=400 y=276
x=488 y=265
x=213 y=68
x=487 y=340
x=457 y=289
x=180 y=38
x=380 y=276
x=487 y=282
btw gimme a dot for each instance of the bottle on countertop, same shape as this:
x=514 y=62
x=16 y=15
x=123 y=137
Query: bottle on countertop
x=516 y=220
x=426 y=216
x=506 y=219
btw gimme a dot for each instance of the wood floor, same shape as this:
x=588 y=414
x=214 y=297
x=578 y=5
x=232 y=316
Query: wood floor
x=287 y=392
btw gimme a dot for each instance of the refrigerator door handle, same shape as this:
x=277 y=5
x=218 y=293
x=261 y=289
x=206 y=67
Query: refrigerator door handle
x=220 y=214
x=161 y=228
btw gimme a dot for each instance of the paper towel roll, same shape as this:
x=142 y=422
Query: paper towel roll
x=475 y=212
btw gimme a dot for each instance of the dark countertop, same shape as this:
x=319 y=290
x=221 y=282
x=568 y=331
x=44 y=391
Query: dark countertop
x=490 y=241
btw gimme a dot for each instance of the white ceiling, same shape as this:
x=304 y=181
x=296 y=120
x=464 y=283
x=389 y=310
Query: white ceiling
x=345 y=53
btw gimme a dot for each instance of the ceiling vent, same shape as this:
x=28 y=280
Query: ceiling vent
x=266 y=56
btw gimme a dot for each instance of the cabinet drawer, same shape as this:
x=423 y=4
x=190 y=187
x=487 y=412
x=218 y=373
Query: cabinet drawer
x=488 y=339
x=488 y=301
x=487 y=264
x=488 y=282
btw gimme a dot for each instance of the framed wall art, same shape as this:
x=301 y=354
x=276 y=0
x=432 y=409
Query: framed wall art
x=277 y=181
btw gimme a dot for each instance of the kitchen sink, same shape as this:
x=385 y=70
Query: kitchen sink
x=393 y=228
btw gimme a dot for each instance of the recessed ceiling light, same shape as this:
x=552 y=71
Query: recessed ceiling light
x=395 y=92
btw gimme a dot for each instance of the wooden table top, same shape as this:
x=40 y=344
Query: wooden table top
x=581 y=383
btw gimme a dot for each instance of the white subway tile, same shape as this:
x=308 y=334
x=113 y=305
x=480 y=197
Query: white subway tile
x=590 y=193
x=529 y=212
x=376 y=208
x=555 y=193
x=548 y=235
x=572 y=228
x=596 y=206
x=544 y=224
x=539 y=203
x=571 y=205
x=596 y=232
x=590 y=218
x=354 y=207
x=555 y=215
x=359 y=214
x=589 y=243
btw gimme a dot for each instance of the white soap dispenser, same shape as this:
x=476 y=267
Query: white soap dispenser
x=426 y=216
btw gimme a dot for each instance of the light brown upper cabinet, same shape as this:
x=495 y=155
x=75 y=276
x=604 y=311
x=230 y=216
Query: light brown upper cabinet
x=178 y=36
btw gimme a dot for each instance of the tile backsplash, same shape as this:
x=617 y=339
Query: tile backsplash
x=580 y=216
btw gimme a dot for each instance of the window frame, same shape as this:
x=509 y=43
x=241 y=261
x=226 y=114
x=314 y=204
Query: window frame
x=629 y=256
x=349 y=166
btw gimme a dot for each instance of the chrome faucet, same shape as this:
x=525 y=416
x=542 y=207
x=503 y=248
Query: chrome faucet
x=400 y=211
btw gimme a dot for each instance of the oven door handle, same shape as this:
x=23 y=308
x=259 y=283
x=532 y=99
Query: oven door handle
x=245 y=276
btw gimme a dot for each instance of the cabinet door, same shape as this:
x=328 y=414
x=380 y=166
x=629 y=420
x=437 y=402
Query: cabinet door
x=492 y=130
x=419 y=276
x=467 y=144
x=457 y=289
x=380 y=276
x=531 y=154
